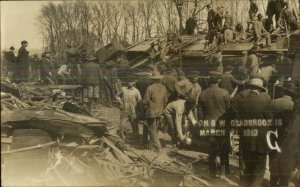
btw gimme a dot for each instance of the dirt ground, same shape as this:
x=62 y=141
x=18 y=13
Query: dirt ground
x=199 y=166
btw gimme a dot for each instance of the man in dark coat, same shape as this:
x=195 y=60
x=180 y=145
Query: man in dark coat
x=91 y=76
x=253 y=144
x=11 y=62
x=288 y=160
x=155 y=100
x=213 y=103
x=282 y=109
x=211 y=15
x=23 y=62
x=210 y=18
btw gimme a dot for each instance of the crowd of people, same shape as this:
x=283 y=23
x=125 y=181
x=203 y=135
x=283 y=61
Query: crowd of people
x=221 y=27
x=176 y=102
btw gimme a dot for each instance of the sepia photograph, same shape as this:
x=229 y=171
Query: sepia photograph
x=150 y=93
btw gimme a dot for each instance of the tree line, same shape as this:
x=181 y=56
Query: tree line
x=69 y=23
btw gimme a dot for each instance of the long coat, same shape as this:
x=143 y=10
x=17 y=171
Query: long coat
x=91 y=74
x=155 y=100
x=254 y=107
x=23 y=55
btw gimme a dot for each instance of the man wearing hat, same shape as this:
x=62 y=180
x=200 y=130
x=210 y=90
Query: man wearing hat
x=23 y=62
x=46 y=68
x=213 y=103
x=130 y=103
x=284 y=66
x=253 y=146
x=91 y=77
x=155 y=100
x=11 y=62
x=259 y=31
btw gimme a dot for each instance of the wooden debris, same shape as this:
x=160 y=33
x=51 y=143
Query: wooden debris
x=28 y=148
x=122 y=155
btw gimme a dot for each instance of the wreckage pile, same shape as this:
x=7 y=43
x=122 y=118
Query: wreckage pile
x=53 y=141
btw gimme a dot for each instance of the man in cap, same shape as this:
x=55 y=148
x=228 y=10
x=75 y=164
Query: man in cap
x=155 y=100
x=175 y=114
x=253 y=146
x=228 y=81
x=130 y=107
x=91 y=77
x=23 y=62
x=11 y=62
x=260 y=31
x=284 y=67
x=213 y=103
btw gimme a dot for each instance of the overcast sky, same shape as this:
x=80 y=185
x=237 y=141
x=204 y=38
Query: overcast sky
x=19 y=22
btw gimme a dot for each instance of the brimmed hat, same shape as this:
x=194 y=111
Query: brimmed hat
x=12 y=48
x=24 y=42
x=157 y=77
x=257 y=83
x=259 y=15
x=289 y=87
